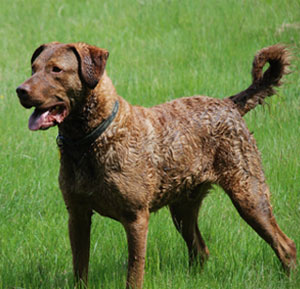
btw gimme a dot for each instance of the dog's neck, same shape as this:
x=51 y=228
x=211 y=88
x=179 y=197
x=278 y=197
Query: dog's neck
x=96 y=106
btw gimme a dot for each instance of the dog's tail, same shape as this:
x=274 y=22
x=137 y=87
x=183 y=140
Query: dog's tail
x=263 y=83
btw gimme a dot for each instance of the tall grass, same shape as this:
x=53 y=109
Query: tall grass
x=159 y=50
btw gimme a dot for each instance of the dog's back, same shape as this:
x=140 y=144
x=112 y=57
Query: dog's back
x=188 y=141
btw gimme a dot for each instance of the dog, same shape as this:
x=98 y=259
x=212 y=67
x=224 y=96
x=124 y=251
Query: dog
x=125 y=161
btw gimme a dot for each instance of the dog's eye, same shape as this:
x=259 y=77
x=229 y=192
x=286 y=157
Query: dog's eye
x=56 y=69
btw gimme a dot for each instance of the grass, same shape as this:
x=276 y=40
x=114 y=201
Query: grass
x=159 y=50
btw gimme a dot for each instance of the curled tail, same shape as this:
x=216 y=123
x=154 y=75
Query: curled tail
x=263 y=83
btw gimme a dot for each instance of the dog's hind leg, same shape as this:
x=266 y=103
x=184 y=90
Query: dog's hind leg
x=185 y=219
x=250 y=196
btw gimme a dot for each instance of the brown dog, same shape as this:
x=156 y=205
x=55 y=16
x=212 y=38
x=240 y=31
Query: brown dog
x=125 y=161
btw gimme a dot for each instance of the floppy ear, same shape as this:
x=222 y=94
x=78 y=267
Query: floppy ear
x=92 y=62
x=37 y=52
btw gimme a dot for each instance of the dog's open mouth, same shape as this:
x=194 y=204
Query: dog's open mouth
x=44 y=118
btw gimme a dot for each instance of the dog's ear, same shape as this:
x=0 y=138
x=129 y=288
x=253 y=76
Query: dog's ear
x=92 y=62
x=37 y=52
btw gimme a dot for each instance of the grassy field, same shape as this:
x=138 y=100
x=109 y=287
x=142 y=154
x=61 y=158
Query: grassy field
x=159 y=50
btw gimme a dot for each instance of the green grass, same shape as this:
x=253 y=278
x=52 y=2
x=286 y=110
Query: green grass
x=159 y=50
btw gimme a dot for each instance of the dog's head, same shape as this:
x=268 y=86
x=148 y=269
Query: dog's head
x=61 y=76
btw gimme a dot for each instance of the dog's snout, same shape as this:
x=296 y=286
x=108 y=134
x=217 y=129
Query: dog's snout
x=23 y=91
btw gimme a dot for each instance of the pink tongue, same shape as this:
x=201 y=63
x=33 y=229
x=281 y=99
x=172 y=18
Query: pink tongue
x=37 y=120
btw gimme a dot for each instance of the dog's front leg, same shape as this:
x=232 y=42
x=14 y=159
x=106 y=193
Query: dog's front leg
x=79 y=233
x=136 y=230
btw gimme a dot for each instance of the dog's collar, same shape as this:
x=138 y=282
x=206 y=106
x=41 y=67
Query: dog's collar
x=62 y=141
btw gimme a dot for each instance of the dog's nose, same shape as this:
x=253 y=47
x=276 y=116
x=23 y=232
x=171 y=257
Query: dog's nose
x=23 y=91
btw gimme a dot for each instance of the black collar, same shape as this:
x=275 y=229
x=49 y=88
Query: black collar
x=62 y=141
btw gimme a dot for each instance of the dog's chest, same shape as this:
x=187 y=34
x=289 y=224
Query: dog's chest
x=88 y=183
x=79 y=178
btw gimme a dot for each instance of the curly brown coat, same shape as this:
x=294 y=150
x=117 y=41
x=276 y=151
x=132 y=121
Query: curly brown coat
x=147 y=158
